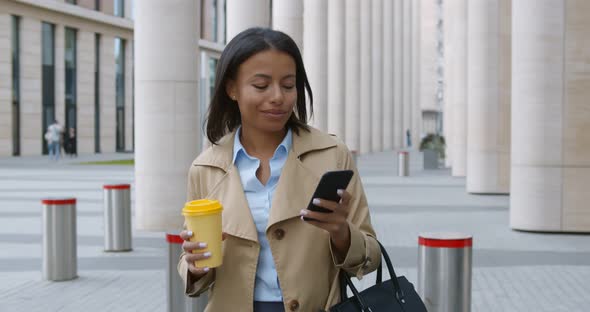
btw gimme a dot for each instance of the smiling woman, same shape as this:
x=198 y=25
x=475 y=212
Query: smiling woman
x=263 y=167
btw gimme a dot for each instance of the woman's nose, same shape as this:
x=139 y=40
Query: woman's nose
x=277 y=95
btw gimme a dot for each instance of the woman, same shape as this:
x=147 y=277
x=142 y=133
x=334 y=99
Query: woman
x=263 y=167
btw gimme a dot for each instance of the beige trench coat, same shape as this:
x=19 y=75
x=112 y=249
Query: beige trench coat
x=306 y=267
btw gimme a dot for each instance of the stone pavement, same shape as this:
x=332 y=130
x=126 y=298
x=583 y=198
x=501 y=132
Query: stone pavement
x=513 y=271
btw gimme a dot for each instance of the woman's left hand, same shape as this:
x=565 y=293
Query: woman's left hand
x=335 y=222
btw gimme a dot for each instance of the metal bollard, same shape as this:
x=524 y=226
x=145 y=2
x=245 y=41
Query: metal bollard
x=177 y=300
x=355 y=155
x=403 y=164
x=59 y=239
x=117 y=217
x=444 y=271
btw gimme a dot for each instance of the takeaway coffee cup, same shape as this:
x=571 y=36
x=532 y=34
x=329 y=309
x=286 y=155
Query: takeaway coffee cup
x=203 y=217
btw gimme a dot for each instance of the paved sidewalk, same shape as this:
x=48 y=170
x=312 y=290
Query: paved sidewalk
x=513 y=271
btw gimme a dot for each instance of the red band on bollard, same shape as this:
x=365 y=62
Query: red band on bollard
x=445 y=243
x=174 y=239
x=406 y=153
x=117 y=186
x=65 y=201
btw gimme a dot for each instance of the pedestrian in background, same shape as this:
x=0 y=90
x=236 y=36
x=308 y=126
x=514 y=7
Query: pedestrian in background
x=70 y=143
x=53 y=137
x=263 y=167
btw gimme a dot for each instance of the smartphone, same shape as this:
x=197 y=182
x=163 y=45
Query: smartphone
x=330 y=183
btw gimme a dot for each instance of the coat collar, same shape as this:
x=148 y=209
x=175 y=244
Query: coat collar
x=221 y=155
x=294 y=190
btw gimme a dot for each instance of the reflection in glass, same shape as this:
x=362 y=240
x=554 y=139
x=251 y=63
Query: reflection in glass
x=97 y=93
x=48 y=79
x=70 y=75
x=120 y=91
x=120 y=8
x=15 y=85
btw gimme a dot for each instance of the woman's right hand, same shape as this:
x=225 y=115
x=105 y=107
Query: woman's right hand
x=191 y=257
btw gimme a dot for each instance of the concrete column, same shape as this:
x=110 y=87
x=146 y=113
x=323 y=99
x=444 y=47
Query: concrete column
x=377 y=75
x=315 y=57
x=455 y=80
x=398 y=130
x=6 y=85
x=243 y=14
x=416 y=115
x=108 y=112
x=129 y=107
x=336 y=68
x=366 y=78
x=551 y=136
x=388 y=71
x=353 y=74
x=427 y=62
x=287 y=16
x=168 y=129
x=31 y=114
x=406 y=69
x=488 y=96
x=85 y=92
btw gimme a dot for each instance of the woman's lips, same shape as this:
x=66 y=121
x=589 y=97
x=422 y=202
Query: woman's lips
x=274 y=113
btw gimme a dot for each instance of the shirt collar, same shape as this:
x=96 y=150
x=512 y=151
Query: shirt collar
x=285 y=145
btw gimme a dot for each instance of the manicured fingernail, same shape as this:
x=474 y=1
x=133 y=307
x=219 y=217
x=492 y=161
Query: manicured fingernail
x=302 y=218
x=316 y=201
x=207 y=254
x=202 y=245
x=303 y=212
x=205 y=269
x=189 y=233
x=340 y=192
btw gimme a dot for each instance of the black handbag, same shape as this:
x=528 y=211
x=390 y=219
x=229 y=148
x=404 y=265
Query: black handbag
x=394 y=295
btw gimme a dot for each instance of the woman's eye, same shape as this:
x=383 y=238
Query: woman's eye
x=260 y=87
x=289 y=87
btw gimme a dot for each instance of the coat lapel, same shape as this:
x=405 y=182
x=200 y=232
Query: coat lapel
x=298 y=183
x=294 y=191
x=236 y=216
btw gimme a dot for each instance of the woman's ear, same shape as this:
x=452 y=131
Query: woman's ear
x=230 y=89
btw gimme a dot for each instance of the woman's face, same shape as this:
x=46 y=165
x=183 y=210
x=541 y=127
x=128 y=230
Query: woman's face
x=265 y=90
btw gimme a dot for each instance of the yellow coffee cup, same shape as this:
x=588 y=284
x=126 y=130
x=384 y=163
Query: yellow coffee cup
x=203 y=218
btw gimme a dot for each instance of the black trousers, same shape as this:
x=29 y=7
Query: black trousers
x=260 y=306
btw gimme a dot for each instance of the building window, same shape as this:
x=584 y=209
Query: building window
x=72 y=1
x=71 y=82
x=120 y=92
x=48 y=79
x=213 y=20
x=97 y=93
x=120 y=8
x=97 y=5
x=15 y=85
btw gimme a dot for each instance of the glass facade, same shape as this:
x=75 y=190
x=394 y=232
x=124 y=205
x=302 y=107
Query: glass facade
x=97 y=93
x=15 y=85
x=120 y=91
x=120 y=8
x=213 y=20
x=70 y=75
x=48 y=79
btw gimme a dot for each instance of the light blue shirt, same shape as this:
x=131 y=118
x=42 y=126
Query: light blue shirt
x=259 y=198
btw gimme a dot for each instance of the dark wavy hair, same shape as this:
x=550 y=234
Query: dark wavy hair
x=224 y=114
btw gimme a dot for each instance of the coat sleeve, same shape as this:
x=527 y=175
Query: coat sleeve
x=193 y=287
x=364 y=254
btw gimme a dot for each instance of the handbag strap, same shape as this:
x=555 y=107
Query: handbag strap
x=346 y=281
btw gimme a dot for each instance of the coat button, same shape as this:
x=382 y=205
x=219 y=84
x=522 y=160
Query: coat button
x=279 y=234
x=293 y=305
